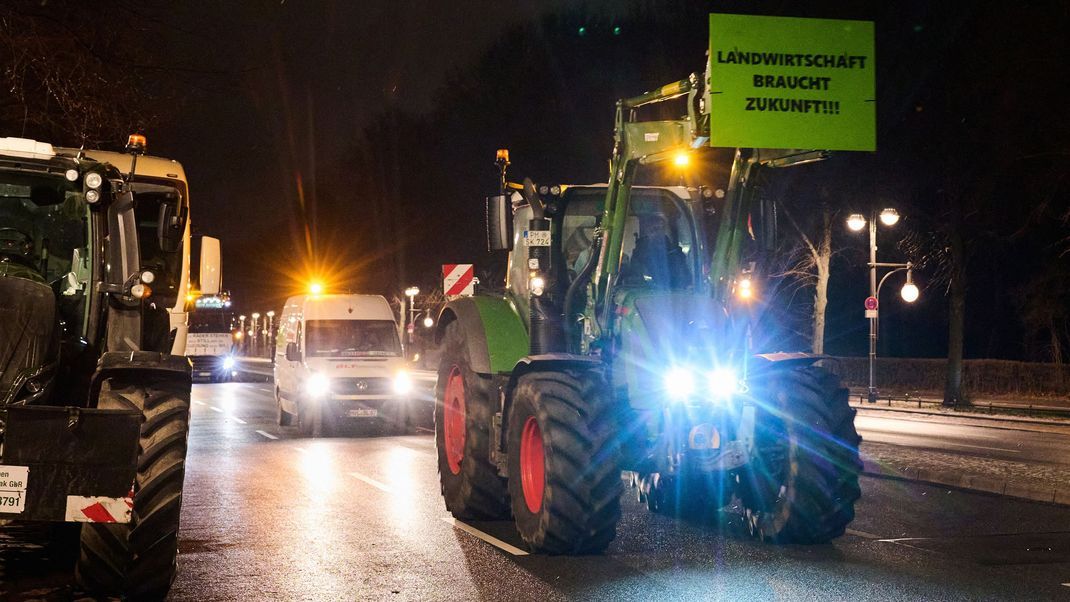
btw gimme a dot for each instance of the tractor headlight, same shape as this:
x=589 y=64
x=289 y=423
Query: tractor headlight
x=723 y=382
x=538 y=285
x=317 y=385
x=680 y=383
x=228 y=363
x=93 y=180
x=402 y=383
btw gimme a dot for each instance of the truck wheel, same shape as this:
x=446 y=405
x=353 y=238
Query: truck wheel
x=564 y=463
x=802 y=485
x=283 y=417
x=138 y=560
x=470 y=483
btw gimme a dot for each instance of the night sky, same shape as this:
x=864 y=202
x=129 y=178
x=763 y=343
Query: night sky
x=357 y=138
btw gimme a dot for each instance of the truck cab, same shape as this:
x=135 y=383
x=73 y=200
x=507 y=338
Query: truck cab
x=338 y=362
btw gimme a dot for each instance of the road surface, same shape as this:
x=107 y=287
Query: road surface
x=271 y=516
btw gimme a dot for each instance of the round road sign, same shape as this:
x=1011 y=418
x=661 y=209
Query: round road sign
x=871 y=303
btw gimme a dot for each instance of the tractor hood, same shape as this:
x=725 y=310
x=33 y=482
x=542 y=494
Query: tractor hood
x=663 y=331
x=28 y=330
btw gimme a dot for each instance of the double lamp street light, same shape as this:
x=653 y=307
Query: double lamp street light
x=856 y=222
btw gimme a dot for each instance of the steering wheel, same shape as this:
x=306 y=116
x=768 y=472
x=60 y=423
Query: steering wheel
x=13 y=247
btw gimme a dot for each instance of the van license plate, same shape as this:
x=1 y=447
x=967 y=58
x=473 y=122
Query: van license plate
x=363 y=413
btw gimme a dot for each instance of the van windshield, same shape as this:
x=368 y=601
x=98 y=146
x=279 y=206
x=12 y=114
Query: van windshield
x=351 y=338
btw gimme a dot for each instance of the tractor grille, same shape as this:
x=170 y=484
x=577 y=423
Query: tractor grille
x=362 y=386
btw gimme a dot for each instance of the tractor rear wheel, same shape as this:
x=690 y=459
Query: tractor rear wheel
x=138 y=560
x=564 y=462
x=803 y=483
x=465 y=405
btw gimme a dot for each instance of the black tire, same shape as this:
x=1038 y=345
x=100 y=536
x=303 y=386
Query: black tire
x=471 y=487
x=579 y=508
x=283 y=417
x=803 y=484
x=138 y=560
x=314 y=419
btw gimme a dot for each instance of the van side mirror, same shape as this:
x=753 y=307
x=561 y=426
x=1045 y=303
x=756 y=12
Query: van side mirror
x=498 y=222
x=292 y=354
x=210 y=276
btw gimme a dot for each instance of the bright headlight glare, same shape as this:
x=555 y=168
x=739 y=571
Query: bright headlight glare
x=228 y=363
x=402 y=383
x=537 y=286
x=680 y=383
x=723 y=382
x=318 y=385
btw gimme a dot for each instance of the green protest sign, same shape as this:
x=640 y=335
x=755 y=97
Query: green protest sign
x=786 y=82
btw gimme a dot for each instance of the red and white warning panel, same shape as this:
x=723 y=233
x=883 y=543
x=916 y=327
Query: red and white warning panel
x=82 y=509
x=458 y=279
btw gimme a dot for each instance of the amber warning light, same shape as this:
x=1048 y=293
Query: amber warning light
x=136 y=144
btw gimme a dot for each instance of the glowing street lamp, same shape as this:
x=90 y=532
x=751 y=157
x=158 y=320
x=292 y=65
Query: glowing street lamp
x=681 y=159
x=856 y=222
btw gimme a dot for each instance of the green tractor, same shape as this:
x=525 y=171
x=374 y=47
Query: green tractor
x=620 y=344
x=94 y=390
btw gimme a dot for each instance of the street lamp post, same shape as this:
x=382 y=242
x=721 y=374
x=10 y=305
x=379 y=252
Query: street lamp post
x=411 y=293
x=888 y=217
x=255 y=334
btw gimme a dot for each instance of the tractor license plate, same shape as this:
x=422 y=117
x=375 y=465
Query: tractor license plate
x=363 y=413
x=13 y=481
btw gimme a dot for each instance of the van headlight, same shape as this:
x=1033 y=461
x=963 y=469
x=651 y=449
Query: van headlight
x=317 y=385
x=228 y=363
x=402 y=383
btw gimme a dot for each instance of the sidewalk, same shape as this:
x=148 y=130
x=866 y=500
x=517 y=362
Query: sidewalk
x=1046 y=407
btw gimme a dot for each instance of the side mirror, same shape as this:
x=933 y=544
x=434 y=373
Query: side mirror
x=498 y=221
x=171 y=226
x=210 y=276
x=292 y=354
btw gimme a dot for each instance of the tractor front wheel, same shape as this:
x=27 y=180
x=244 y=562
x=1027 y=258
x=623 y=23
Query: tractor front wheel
x=470 y=483
x=138 y=560
x=564 y=463
x=802 y=484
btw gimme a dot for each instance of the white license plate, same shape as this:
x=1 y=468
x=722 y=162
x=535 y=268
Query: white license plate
x=13 y=489
x=363 y=413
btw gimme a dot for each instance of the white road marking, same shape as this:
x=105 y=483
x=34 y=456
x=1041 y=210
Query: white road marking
x=200 y=403
x=371 y=481
x=215 y=409
x=238 y=420
x=1002 y=449
x=425 y=429
x=494 y=541
x=268 y=435
x=862 y=534
x=263 y=389
x=1067 y=584
x=299 y=448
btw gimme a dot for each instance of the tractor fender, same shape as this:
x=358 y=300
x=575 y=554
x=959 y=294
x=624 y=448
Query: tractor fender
x=535 y=363
x=125 y=363
x=494 y=333
x=769 y=362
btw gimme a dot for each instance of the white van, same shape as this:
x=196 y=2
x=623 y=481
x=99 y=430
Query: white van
x=338 y=361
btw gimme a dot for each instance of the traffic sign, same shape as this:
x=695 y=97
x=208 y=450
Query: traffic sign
x=871 y=303
x=458 y=279
x=871 y=313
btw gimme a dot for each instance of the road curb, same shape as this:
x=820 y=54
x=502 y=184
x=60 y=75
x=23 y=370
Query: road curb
x=990 y=485
x=966 y=415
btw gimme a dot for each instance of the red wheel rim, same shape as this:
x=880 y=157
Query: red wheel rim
x=453 y=422
x=532 y=464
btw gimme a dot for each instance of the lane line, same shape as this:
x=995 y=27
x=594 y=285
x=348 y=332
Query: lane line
x=200 y=403
x=215 y=409
x=238 y=420
x=425 y=429
x=268 y=435
x=862 y=534
x=1002 y=449
x=371 y=481
x=299 y=448
x=494 y=541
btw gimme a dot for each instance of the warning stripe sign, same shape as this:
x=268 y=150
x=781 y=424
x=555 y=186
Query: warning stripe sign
x=458 y=279
x=83 y=509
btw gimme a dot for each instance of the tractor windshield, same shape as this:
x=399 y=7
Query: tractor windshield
x=658 y=246
x=43 y=230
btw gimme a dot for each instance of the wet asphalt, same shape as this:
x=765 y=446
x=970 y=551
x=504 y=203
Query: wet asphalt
x=268 y=515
